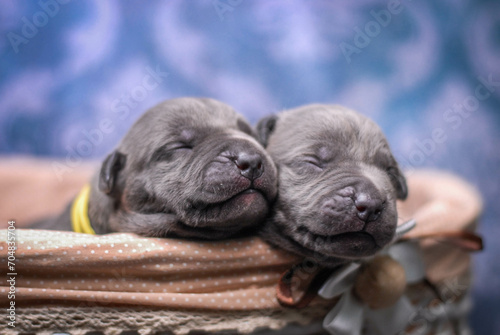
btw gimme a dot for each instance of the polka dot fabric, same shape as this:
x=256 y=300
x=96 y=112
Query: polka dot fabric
x=125 y=269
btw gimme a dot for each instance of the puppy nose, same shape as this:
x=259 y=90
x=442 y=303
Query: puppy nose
x=367 y=209
x=250 y=165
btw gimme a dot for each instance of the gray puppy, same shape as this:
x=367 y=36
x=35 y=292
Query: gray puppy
x=188 y=168
x=338 y=184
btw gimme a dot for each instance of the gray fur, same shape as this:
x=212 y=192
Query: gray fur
x=175 y=173
x=330 y=159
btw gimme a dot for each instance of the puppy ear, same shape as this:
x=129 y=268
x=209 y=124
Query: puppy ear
x=109 y=171
x=265 y=128
x=399 y=181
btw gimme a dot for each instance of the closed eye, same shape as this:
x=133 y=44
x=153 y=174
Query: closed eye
x=181 y=146
x=314 y=161
x=166 y=152
x=391 y=171
x=393 y=174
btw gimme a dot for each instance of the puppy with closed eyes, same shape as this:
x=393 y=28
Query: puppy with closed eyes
x=338 y=184
x=187 y=168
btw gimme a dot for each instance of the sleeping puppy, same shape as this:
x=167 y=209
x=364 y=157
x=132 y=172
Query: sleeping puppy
x=338 y=184
x=187 y=168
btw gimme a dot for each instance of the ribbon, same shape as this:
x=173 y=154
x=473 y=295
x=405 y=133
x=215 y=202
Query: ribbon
x=349 y=314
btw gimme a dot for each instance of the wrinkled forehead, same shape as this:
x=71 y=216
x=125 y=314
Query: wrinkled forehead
x=323 y=130
x=325 y=124
x=183 y=120
x=198 y=115
x=179 y=115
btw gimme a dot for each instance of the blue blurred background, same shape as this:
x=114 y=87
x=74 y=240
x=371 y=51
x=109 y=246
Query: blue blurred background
x=74 y=75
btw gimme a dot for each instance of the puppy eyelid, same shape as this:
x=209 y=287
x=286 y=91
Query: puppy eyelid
x=314 y=161
x=165 y=152
x=180 y=145
x=391 y=170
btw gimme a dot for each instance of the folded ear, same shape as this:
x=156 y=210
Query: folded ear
x=109 y=171
x=399 y=182
x=265 y=127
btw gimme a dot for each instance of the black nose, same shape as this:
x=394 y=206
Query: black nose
x=250 y=165
x=367 y=208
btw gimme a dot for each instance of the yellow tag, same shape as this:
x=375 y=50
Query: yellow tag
x=79 y=212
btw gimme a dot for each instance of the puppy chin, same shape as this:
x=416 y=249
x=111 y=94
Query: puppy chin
x=352 y=245
x=247 y=208
x=347 y=244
